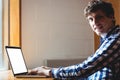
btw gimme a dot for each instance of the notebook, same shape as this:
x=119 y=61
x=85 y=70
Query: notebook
x=17 y=62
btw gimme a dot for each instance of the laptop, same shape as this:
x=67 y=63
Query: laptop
x=17 y=62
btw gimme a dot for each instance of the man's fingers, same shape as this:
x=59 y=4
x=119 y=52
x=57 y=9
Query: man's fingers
x=33 y=72
x=44 y=67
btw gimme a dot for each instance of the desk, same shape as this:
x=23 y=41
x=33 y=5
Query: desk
x=7 y=75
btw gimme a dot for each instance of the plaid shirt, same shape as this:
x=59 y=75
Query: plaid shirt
x=104 y=64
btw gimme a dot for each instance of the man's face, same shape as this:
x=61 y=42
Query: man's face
x=99 y=22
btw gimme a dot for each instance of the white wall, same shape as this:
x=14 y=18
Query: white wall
x=55 y=29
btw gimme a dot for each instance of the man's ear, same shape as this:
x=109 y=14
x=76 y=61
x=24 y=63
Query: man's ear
x=111 y=16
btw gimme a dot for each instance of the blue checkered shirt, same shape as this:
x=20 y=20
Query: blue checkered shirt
x=104 y=64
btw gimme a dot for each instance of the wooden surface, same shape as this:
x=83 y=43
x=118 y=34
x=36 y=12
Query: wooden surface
x=15 y=33
x=7 y=75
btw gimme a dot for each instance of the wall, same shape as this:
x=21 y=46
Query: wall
x=54 y=29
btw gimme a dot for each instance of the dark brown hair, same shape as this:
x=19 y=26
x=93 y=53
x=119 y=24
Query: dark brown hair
x=95 y=5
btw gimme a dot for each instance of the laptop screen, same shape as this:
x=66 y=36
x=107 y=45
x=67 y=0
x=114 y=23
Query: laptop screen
x=16 y=59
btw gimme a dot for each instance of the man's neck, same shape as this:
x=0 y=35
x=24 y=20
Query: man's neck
x=103 y=35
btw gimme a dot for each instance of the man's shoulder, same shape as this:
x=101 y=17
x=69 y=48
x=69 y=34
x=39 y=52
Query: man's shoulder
x=115 y=33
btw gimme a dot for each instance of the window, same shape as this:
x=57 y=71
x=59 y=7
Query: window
x=3 y=33
x=1 y=51
x=9 y=31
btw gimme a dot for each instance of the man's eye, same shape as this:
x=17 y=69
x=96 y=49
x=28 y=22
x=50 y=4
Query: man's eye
x=99 y=17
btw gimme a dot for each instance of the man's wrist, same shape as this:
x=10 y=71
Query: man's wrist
x=50 y=73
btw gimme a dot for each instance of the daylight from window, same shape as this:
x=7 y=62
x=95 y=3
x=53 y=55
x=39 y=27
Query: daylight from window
x=1 y=54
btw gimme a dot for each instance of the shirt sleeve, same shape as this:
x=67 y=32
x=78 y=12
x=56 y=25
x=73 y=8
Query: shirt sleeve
x=103 y=57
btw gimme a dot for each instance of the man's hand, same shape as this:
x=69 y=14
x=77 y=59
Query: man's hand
x=43 y=70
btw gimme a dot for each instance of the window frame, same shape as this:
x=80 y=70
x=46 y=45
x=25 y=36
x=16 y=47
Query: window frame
x=4 y=33
x=11 y=28
x=15 y=21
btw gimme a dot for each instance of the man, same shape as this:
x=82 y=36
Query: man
x=104 y=64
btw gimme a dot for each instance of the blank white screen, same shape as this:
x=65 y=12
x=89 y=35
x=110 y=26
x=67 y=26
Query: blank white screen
x=16 y=60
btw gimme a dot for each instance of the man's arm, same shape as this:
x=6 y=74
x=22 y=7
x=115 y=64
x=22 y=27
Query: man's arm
x=106 y=53
x=103 y=57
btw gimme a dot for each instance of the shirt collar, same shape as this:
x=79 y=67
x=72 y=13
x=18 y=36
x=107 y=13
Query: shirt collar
x=103 y=35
